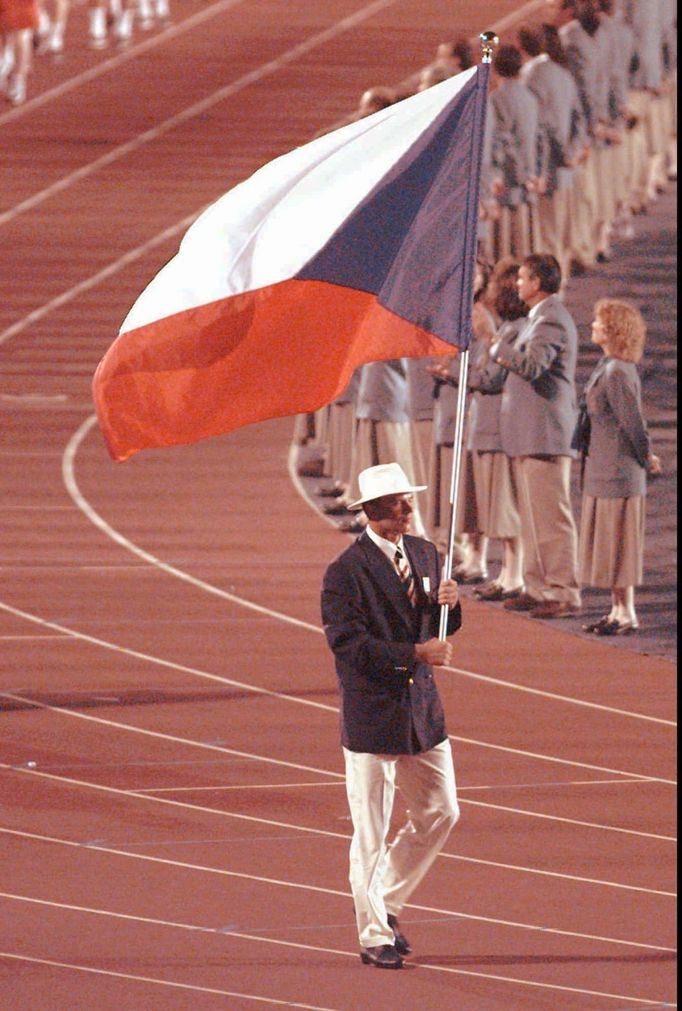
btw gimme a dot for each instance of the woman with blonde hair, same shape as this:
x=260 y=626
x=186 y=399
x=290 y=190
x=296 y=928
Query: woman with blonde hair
x=616 y=453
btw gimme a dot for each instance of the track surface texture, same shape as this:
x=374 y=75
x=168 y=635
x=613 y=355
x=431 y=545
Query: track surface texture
x=174 y=831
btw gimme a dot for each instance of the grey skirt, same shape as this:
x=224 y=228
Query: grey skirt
x=612 y=541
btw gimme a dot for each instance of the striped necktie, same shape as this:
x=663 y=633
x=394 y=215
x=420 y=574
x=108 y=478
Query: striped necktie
x=406 y=577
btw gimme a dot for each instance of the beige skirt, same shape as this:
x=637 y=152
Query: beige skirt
x=612 y=541
x=498 y=514
x=440 y=479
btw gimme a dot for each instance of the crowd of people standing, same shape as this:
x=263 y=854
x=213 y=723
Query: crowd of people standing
x=38 y=29
x=580 y=141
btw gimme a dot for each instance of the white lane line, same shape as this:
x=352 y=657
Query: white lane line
x=81 y=636
x=558 y=761
x=495 y=787
x=239 y=787
x=114 y=62
x=69 y=477
x=89 y=718
x=32 y=638
x=323 y=772
x=329 y=951
x=91 y=282
x=252 y=819
x=570 y=821
x=99 y=846
x=198 y=108
x=271 y=1001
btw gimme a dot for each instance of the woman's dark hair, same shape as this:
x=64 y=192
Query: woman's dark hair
x=507 y=303
x=486 y=271
x=503 y=297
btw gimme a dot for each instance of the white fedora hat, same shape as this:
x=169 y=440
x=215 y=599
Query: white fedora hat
x=384 y=479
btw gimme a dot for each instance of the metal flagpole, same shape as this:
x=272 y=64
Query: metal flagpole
x=488 y=42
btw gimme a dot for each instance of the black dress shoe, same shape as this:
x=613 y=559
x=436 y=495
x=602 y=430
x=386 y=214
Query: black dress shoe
x=402 y=945
x=384 y=956
x=594 y=626
x=333 y=492
x=493 y=591
x=524 y=602
x=618 y=628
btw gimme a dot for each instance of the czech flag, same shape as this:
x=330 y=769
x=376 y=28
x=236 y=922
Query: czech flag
x=359 y=246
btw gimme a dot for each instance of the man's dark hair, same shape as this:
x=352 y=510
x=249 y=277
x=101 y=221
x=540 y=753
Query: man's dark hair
x=553 y=46
x=508 y=61
x=530 y=40
x=462 y=51
x=588 y=15
x=546 y=269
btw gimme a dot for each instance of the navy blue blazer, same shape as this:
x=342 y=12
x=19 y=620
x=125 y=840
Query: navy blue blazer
x=389 y=701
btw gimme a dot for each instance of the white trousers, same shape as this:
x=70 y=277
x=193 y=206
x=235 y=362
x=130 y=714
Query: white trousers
x=383 y=877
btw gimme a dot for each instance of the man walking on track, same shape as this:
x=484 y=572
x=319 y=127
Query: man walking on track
x=381 y=602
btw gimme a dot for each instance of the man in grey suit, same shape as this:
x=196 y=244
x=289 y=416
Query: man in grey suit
x=563 y=122
x=381 y=602
x=515 y=154
x=537 y=419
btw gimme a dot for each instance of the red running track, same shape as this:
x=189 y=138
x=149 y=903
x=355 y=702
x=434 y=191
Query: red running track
x=174 y=830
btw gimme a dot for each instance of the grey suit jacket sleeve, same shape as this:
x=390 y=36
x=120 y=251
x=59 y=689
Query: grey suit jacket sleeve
x=623 y=401
x=547 y=343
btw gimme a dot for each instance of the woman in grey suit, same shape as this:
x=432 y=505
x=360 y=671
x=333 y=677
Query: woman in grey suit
x=617 y=455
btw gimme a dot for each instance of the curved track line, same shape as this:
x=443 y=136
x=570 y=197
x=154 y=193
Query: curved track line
x=317 y=948
x=198 y=108
x=456 y=914
x=68 y=474
x=159 y=982
x=72 y=633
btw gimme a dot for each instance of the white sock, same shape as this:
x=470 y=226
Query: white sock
x=124 y=26
x=98 y=24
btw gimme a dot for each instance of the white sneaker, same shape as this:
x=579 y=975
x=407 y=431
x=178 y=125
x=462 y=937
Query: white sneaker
x=162 y=10
x=6 y=64
x=16 y=88
x=145 y=14
x=123 y=27
x=98 y=28
x=55 y=42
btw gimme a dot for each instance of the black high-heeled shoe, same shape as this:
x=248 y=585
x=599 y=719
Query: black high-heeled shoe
x=618 y=628
x=594 y=626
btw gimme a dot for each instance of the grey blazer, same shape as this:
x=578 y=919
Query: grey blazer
x=584 y=62
x=486 y=381
x=419 y=389
x=648 y=24
x=515 y=138
x=561 y=117
x=619 y=441
x=382 y=394
x=539 y=409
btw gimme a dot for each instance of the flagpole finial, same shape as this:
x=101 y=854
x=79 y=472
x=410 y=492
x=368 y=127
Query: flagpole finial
x=488 y=42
